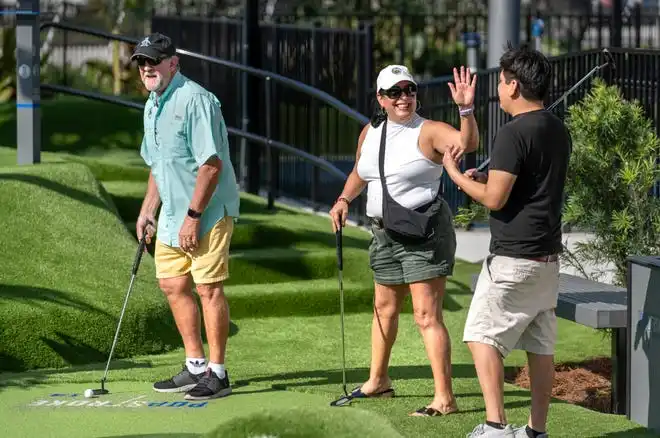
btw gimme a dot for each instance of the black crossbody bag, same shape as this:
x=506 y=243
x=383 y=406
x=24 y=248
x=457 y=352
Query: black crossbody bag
x=403 y=224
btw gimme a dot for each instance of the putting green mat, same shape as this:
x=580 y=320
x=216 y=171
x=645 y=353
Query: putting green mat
x=132 y=409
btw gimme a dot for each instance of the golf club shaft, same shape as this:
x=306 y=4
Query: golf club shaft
x=574 y=87
x=609 y=61
x=121 y=316
x=136 y=264
x=343 y=347
x=340 y=265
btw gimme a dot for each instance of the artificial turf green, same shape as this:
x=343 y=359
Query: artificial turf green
x=65 y=271
x=284 y=349
x=302 y=355
x=307 y=422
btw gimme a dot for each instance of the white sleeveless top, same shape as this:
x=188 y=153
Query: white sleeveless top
x=412 y=179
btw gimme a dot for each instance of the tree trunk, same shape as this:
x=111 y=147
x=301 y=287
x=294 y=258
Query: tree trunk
x=116 y=52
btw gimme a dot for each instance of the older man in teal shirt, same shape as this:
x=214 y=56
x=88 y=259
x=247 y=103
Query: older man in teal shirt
x=192 y=180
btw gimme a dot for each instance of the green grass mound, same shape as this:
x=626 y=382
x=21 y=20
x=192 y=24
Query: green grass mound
x=65 y=272
x=307 y=423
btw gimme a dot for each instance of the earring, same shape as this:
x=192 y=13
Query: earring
x=419 y=105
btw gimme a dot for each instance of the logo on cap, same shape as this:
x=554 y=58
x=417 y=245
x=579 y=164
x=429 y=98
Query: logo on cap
x=145 y=42
x=396 y=70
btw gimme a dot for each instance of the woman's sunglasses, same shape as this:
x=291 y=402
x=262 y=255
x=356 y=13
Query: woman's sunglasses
x=143 y=60
x=396 y=91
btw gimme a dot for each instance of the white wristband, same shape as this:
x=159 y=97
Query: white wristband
x=466 y=111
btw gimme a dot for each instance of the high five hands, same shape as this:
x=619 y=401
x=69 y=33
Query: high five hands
x=463 y=88
x=463 y=93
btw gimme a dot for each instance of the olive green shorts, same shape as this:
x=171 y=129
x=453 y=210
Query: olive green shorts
x=393 y=262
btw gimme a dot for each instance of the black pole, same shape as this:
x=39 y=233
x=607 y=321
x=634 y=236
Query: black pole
x=252 y=45
x=617 y=23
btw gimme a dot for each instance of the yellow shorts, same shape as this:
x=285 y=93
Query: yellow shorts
x=207 y=264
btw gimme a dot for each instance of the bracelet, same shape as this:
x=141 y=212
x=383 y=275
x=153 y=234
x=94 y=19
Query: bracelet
x=466 y=111
x=342 y=198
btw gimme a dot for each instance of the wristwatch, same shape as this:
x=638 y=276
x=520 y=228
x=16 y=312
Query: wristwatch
x=194 y=214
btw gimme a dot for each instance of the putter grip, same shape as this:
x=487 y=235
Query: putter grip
x=340 y=253
x=141 y=248
x=138 y=255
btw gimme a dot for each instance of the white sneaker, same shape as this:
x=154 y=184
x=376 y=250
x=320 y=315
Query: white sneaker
x=521 y=432
x=486 y=431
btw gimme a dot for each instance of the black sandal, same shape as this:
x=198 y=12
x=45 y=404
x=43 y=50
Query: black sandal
x=357 y=393
x=431 y=412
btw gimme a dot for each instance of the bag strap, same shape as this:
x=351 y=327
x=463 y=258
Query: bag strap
x=381 y=159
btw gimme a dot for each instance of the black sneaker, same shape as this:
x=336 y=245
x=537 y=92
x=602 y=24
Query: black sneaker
x=210 y=386
x=182 y=382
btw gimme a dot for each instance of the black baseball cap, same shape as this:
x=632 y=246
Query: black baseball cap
x=155 y=46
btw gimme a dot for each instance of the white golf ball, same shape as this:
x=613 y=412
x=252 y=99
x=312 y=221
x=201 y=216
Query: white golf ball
x=89 y=393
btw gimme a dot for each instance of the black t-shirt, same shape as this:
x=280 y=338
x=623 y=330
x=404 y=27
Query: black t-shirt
x=536 y=147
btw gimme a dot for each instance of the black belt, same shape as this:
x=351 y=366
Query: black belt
x=548 y=258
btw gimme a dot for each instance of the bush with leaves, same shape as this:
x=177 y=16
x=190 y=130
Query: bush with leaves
x=612 y=172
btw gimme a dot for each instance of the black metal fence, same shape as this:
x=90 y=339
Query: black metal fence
x=430 y=40
x=636 y=74
x=432 y=43
x=336 y=61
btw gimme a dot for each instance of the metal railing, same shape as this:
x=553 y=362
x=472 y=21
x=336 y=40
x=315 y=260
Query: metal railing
x=299 y=86
x=316 y=161
x=267 y=140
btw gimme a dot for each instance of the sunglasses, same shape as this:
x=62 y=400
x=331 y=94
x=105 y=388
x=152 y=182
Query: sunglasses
x=396 y=91
x=142 y=61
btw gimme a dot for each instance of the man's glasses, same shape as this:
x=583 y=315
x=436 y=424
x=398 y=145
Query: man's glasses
x=396 y=91
x=142 y=61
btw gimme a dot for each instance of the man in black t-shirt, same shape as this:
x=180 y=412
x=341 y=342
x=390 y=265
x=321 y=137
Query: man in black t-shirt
x=516 y=293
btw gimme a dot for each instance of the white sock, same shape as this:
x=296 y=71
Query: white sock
x=218 y=369
x=196 y=365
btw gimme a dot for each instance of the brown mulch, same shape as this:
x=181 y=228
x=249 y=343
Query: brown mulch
x=586 y=383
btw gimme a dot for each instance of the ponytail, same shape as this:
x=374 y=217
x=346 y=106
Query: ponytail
x=379 y=116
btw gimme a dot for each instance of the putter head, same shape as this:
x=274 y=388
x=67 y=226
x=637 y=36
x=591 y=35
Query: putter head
x=101 y=391
x=344 y=400
x=609 y=59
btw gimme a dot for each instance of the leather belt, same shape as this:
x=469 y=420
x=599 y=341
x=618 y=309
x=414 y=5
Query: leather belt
x=548 y=258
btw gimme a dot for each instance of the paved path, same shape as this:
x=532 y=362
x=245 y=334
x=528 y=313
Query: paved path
x=472 y=246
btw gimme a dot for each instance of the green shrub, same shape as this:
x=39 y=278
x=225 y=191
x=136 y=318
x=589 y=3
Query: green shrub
x=613 y=168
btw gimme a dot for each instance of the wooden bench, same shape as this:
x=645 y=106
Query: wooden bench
x=600 y=306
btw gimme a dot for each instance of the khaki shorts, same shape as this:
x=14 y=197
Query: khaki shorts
x=513 y=306
x=207 y=264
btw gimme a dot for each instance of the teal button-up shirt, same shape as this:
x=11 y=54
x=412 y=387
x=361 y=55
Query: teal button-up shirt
x=183 y=128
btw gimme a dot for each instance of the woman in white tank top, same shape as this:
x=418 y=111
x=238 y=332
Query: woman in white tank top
x=412 y=168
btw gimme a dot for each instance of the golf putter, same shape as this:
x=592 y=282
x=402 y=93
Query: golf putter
x=346 y=399
x=136 y=264
x=609 y=60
